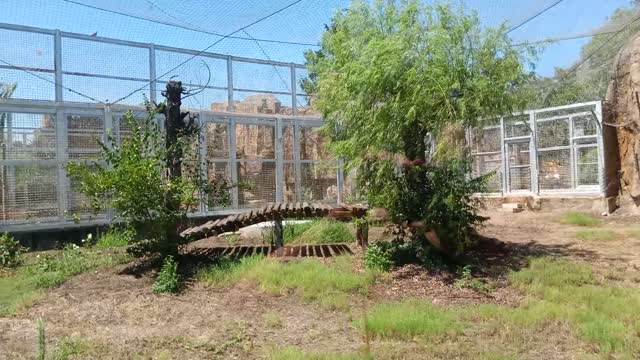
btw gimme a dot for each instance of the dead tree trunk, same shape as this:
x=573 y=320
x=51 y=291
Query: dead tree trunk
x=176 y=125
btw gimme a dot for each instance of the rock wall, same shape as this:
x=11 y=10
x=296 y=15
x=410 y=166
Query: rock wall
x=622 y=112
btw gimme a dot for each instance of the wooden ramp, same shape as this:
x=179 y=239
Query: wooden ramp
x=273 y=212
x=236 y=252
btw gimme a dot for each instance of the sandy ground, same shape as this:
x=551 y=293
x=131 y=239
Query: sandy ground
x=120 y=316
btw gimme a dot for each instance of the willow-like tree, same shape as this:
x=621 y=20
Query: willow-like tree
x=392 y=76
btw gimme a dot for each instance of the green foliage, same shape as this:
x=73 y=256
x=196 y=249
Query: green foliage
x=596 y=235
x=168 y=280
x=329 y=285
x=42 y=343
x=579 y=219
x=131 y=178
x=381 y=109
x=467 y=281
x=378 y=257
x=115 y=237
x=273 y=320
x=411 y=318
x=10 y=251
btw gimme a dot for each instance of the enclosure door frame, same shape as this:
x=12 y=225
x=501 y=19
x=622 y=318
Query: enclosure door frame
x=508 y=166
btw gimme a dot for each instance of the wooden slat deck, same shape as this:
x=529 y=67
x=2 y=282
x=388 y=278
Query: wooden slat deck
x=271 y=212
x=235 y=252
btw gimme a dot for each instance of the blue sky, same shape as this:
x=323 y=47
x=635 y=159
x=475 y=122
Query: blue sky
x=302 y=22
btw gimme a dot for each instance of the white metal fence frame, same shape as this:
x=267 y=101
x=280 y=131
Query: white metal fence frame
x=518 y=151
x=67 y=202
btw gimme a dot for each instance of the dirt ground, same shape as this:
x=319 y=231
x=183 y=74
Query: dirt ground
x=120 y=317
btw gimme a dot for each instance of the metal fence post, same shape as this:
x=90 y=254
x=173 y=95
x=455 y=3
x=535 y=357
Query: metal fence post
x=108 y=131
x=279 y=161
x=62 y=155
x=533 y=154
x=572 y=155
x=233 y=162
x=504 y=157
x=340 y=180
x=601 y=162
x=230 y=106
x=294 y=105
x=296 y=160
x=202 y=148
x=152 y=74
x=57 y=64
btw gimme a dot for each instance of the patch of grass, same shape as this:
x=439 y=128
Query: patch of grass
x=292 y=353
x=46 y=270
x=579 y=219
x=329 y=285
x=633 y=232
x=321 y=231
x=273 y=320
x=563 y=291
x=596 y=235
x=411 y=318
x=115 y=238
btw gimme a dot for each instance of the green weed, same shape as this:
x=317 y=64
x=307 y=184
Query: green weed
x=115 y=238
x=168 y=280
x=579 y=219
x=378 y=257
x=272 y=319
x=596 y=235
x=321 y=231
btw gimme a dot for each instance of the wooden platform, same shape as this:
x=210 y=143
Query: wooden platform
x=273 y=212
x=235 y=252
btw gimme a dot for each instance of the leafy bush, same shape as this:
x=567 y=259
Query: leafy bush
x=131 y=178
x=10 y=251
x=168 y=279
x=467 y=281
x=378 y=257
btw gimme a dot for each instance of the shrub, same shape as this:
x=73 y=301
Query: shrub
x=378 y=257
x=579 y=219
x=168 y=279
x=131 y=178
x=467 y=281
x=10 y=251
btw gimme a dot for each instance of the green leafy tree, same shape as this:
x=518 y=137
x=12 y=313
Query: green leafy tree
x=132 y=179
x=392 y=76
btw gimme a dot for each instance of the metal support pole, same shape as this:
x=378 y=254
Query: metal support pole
x=279 y=161
x=572 y=154
x=62 y=155
x=601 y=160
x=340 y=180
x=294 y=89
x=533 y=154
x=57 y=64
x=296 y=160
x=108 y=131
x=504 y=157
x=11 y=168
x=202 y=139
x=152 y=74
x=231 y=105
x=233 y=162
